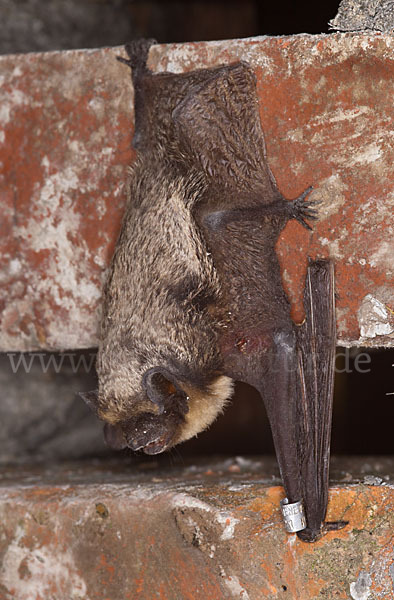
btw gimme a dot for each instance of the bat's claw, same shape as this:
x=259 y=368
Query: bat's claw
x=137 y=52
x=334 y=525
x=312 y=535
x=125 y=61
x=300 y=209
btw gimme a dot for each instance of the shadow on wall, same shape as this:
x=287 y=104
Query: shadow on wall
x=36 y=26
x=43 y=418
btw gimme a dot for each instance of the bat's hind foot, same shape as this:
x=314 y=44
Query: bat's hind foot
x=137 y=52
x=312 y=535
x=334 y=525
x=300 y=209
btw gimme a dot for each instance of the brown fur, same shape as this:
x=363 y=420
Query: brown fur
x=194 y=297
x=144 y=325
x=194 y=270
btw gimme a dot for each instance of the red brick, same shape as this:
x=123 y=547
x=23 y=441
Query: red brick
x=85 y=534
x=66 y=121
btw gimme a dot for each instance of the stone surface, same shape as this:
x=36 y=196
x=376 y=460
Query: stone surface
x=66 y=126
x=356 y=15
x=202 y=531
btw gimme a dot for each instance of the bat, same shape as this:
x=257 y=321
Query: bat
x=194 y=298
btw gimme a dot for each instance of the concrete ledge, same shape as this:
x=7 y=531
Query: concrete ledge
x=66 y=124
x=211 y=530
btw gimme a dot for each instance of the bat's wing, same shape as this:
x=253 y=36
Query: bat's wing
x=316 y=341
x=218 y=127
x=209 y=116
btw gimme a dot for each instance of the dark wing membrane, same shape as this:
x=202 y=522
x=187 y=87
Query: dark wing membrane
x=218 y=125
x=316 y=358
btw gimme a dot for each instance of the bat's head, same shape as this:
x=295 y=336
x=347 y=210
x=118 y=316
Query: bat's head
x=162 y=413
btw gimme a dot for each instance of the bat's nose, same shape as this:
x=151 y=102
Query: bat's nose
x=150 y=433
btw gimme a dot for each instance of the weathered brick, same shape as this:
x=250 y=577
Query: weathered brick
x=66 y=126
x=208 y=531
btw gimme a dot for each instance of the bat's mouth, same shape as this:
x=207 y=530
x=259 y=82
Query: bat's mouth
x=152 y=433
x=150 y=442
x=157 y=446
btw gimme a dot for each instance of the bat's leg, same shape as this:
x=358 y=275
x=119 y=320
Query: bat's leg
x=299 y=209
x=278 y=389
x=138 y=55
x=316 y=340
x=294 y=371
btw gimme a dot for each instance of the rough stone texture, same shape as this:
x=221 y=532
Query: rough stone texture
x=358 y=15
x=198 y=532
x=66 y=127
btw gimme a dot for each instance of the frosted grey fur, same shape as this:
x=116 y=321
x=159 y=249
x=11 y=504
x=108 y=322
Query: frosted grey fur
x=143 y=324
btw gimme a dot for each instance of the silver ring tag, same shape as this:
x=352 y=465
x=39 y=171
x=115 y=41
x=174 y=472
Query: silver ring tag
x=293 y=515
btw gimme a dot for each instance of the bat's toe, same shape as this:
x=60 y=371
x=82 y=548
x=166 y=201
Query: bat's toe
x=312 y=535
x=301 y=209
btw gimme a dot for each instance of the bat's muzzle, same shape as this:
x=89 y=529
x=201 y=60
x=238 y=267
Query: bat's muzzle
x=152 y=433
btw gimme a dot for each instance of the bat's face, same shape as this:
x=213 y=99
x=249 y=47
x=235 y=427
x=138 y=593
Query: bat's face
x=155 y=417
x=165 y=413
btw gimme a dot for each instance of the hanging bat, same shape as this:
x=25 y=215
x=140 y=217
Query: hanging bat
x=194 y=298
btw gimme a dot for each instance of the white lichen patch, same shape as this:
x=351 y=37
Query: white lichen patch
x=233 y=585
x=338 y=115
x=361 y=588
x=366 y=155
x=185 y=501
x=56 y=187
x=177 y=58
x=383 y=257
x=17 y=72
x=228 y=524
x=53 y=226
x=340 y=46
x=40 y=572
x=9 y=101
x=373 y=318
x=330 y=195
x=223 y=518
x=14 y=266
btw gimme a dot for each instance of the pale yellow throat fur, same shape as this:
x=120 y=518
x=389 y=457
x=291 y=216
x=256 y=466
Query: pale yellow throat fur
x=204 y=407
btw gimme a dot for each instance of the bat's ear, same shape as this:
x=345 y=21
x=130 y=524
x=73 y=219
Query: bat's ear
x=114 y=437
x=91 y=399
x=160 y=386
